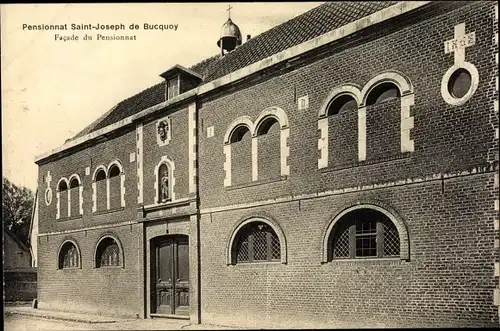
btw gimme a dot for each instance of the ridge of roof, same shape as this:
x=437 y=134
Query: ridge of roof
x=398 y=8
x=301 y=28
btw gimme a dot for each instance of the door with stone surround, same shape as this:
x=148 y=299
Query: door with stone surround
x=170 y=275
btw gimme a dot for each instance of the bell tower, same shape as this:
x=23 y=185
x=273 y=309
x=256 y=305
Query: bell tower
x=230 y=36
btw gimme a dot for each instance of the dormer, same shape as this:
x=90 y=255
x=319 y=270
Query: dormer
x=179 y=80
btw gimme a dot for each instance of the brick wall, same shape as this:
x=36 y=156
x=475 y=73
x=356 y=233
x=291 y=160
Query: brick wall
x=382 y=131
x=444 y=136
x=176 y=151
x=20 y=284
x=343 y=143
x=105 y=290
x=103 y=153
x=448 y=280
x=241 y=160
x=269 y=161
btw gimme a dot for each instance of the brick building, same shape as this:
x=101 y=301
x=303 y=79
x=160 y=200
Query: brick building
x=340 y=169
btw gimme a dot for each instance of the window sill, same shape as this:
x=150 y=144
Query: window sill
x=110 y=267
x=256 y=183
x=64 y=219
x=107 y=211
x=70 y=269
x=402 y=156
x=366 y=259
x=256 y=263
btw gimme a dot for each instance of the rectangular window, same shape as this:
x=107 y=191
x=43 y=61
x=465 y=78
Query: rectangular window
x=172 y=88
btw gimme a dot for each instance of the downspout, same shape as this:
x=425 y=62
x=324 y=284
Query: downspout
x=198 y=204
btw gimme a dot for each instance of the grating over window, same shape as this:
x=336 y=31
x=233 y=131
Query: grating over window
x=341 y=245
x=391 y=239
x=68 y=256
x=275 y=248
x=243 y=250
x=260 y=246
x=257 y=242
x=364 y=233
x=108 y=253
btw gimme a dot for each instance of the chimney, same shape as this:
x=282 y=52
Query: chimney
x=248 y=37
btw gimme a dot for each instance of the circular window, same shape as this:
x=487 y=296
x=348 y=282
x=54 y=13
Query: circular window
x=48 y=196
x=460 y=83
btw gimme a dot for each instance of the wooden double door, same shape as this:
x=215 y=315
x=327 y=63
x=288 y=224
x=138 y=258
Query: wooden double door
x=170 y=275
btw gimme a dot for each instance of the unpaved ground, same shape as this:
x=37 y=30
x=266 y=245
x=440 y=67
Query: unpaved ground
x=28 y=323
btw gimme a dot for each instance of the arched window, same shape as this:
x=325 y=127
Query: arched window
x=74 y=194
x=239 y=134
x=256 y=242
x=382 y=93
x=114 y=187
x=107 y=253
x=164 y=184
x=268 y=125
x=69 y=256
x=341 y=103
x=241 y=155
x=63 y=195
x=100 y=190
x=364 y=233
x=269 y=149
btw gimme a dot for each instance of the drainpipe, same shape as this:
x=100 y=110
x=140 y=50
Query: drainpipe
x=198 y=214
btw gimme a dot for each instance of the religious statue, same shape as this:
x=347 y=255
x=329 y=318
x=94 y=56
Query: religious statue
x=164 y=187
x=163 y=130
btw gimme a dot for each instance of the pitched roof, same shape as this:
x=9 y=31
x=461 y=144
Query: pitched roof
x=313 y=23
x=15 y=238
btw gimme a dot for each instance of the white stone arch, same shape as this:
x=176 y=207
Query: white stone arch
x=236 y=123
x=344 y=89
x=171 y=167
x=77 y=176
x=273 y=224
x=62 y=179
x=350 y=89
x=407 y=100
x=404 y=242
x=94 y=185
x=280 y=115
x=80 y=194
x=399 y=79
x=118 y=163
x=58 y=197
x=103 y=167
x=72 y=241
x=117 y=241
x=275 y=112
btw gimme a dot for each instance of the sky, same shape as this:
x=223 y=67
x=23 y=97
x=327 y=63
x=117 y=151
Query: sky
x=52 y=89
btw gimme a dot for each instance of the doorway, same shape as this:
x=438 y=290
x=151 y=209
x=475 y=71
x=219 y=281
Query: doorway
x=170 y=275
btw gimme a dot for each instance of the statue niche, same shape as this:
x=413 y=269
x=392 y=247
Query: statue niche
x=163 y=184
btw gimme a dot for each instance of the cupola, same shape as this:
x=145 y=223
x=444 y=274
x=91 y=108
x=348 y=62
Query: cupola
x=230 y=35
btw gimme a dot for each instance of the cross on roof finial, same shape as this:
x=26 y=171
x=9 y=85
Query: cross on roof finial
x=229 y=10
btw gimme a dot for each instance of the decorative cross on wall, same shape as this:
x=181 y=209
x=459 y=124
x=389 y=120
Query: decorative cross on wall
x=48 y=179
x=459 y=43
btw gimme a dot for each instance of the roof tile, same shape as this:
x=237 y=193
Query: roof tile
x=302 y=28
